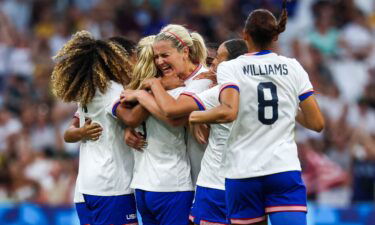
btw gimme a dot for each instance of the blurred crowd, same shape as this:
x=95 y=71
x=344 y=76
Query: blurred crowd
x=333 y=40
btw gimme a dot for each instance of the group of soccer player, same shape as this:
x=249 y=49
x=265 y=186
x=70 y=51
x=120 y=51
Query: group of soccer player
x=202 y=146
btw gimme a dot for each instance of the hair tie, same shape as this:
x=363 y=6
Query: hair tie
x=179 y=39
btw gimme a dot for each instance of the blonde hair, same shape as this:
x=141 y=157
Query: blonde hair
x=84 y=65
x=180 y=37
x=145 y=67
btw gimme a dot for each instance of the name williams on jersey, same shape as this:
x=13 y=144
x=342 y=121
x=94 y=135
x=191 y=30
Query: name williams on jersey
x=265 y=70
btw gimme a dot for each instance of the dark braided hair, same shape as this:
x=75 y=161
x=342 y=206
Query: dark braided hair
x=235 y=48
x=262 y=26
x=85 y=65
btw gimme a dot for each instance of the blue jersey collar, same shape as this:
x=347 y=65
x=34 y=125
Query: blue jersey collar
x=263 y=52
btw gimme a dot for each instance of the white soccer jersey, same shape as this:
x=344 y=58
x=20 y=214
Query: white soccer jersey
x=78 y=197
x=163 y=166
x=211 y=174
x=105 y=165
x=195 y=150
x=261 y=140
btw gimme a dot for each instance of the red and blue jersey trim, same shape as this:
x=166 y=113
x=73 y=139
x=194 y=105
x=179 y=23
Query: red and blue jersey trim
x=114 y=107
x=229 y=85
x=196 y=99
x=305 y=95
x=194 y=72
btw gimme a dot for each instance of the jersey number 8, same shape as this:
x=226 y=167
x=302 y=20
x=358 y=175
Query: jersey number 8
x=263 y=103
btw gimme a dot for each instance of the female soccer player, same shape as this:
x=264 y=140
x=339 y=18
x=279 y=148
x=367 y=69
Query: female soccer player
x=261 y=165
x=209 y=202
x=162 y=180
x=176 y=51
x=92 y=73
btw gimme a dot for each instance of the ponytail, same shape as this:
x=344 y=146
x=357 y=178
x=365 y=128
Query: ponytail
x=281 y=24
x=263 y=27
x=199 y=50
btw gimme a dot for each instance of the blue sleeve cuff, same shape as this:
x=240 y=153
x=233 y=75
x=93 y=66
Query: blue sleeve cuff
x=305 y=95
x=114 y=108
x=229 y=85
x=196 y=99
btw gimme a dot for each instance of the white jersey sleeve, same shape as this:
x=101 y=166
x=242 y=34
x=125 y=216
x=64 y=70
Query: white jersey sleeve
x=208 y=99
x=175 y=93
x=115 y=92
x=197 y=86
x=225 y=74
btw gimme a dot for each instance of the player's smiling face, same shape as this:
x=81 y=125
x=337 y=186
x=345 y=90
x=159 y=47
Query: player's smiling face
x=168 y=59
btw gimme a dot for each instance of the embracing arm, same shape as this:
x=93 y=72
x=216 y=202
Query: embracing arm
x=225 y=113
x=148 y=101
x=309 y=115
x=171 y=107
x=132 y=117
x=74 y=133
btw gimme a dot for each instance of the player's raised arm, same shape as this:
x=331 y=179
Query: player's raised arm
x=132 y=117
x=309 y=114
x=148 y=102
x=225 y=113
x=171 y=107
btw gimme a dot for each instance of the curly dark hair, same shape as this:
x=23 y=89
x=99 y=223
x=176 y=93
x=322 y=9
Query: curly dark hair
x=84 y=65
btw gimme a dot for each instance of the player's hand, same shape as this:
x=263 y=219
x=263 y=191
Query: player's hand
x=134 y=139
x=207 y=75
x=128 y=96
x=146 y=84
x=171 y=82
x=91 y=131
x=200 y=132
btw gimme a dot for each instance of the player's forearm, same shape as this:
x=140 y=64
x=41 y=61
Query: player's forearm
x=132 y=117
x=220 y=114
x=166 y=102
x=310 y=116
x=73 y=134
x=148 y=102
x=300 y=118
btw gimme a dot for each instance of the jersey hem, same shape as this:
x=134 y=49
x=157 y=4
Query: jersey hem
x=217 y=187
x=263 y=174
x=106 y=194
x=162 y=189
